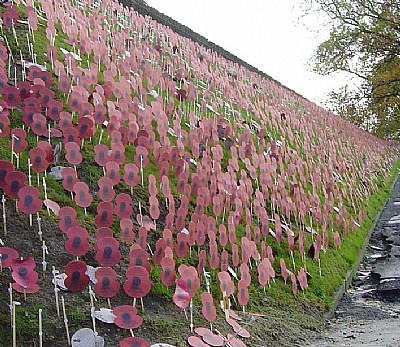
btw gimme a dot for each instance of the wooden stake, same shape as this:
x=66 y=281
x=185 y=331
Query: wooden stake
x=65 y=321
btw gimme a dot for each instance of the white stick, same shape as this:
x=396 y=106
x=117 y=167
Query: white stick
x=54 y=272
x=40 y=329
x=3 y=200
x=191 y=315
x=44 y=252
x=45 y=193
x=38 y=219
x=65 y=320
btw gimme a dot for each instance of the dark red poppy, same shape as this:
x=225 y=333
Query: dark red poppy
x=29 y=202
x=182 y=245
x=76 y=280
x=7 y=255
x=24 y=89
x=23 y=272
x=107 y=253
x=118 y=153
x=141 y=157
x=99 y=114
x=139 y=257
x=67 y=218
x=103 y=232
x=64 y=124
x=5 y=168
x=123 y=205
x=11 y=96
x=126 y=317
x=73 y=155
x=15 y=180
x=18 y=141
x=302 y=278
x=75 y=101
x=69 y=178
x=82 y=196
x=86 y=109
x=77 y=244
x=70 y=134
x=134 y=342
x=235 y=255
x=225 y=283
x=137 y=284
x=46 y=95
x=181 y=297
x=112 y=172
x=142 y=237
x=101 y=156
x=3 y=53
x=46 y=146
x=38 y=160
x=34 y=72
x=106 y=192
x=106 y=286
x=159 y=253
x=190 y=276
x=104 y=216
x=126 y=230
x=208 y=309
x=214 y=257
x=85 y=127
x=29 y=111
x=4 y=126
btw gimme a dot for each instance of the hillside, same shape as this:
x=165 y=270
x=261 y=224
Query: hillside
x=184 y=178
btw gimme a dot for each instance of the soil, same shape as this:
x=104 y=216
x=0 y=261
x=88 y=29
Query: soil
x=368 y=314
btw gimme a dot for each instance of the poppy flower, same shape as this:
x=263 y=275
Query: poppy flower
x=126 y=317
x=11 y=96
x=194 y=341
x=99 y=114
x=73 y=155
x=106 y=192
x=208 y=309
x=70 y=134
x=237 y=328
x=139 y=257
x=168 y=275
x=29 y=111
x=137 y=284
x=64 y=83
x=182 y=245
x=23 y=271
x=3 y=53
x=4 y=126
x=101 y=156
x=7 y=255
x=75 y=101
x=14 y=181
x=134 y=342
x=126 y=230
x=64 y=124
x=38 y=160
x=234 y=341
x=159 y=253
x=67 y=218
x=103 y=232
x=190 y=277
x=181 y=297
x=77 y=279
x=5 y=167
x=86 y=109
x=118 y=153
x=123 y=206
x=112 y=172
x=69 y=178
x=226 y=285
x=141 y=157
x=106 y=285
x=142 y=237
x=107 y=253
x=85 y=127
x=24 y=89
x=29 y=202
x=104 y=216
x=82 y=196
x=77 y=244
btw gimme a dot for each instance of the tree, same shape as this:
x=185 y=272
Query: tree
x=364 y=41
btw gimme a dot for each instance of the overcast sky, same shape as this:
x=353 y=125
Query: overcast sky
x=265 y=33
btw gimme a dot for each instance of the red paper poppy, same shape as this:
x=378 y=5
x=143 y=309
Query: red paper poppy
x=29 y=111
x=82 y=196
x=69 y=178
x=168 y=274
x=103 y=232
x=126 y=228
x=107 y=253
x=24 y=89
x=141 y=157
x=126 y=317
x=235 y=342
x=226 y=285
x=23 y=271
x=7 y=255
x=139 y=257
x=15 y=180
x=85 y=127
x=99 y=114
x=214 y=257
x=46 y=95
x=212 y=339
x=77 y=244
x=29 y=202
x=235 y=255
x=76 y=280
x=243 y=293
x=86 y=109
x=38 y=160
x=181 y=297
x=137 y=284
x=65 y=124
x=182 y=245
x=302 y=277
x=123 y=206
x=118 y=153
x=134 y=342
x=75 y=101
x=64 y=83
x=159 y=253
x=194 y=341
x=106 y=286
x=4 y=126
x=46 y=147
x=70 y=134
x=131 y=176
x=34 y=72
x=112 y=172
x=5 y=168
x=189 y=275
x=238 y=329
x=106 y=192
x=73 y=155
x=142 y=237
x=208 y=309
x=11 y=96
x=3 y=53
x=67 y=218
x=101 y=156
x=104 y=216
x=26 y=289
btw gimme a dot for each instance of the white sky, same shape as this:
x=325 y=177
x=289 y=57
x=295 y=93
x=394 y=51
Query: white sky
x=265 y=33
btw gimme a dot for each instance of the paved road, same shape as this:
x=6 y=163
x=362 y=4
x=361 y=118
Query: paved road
x=368 y=314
